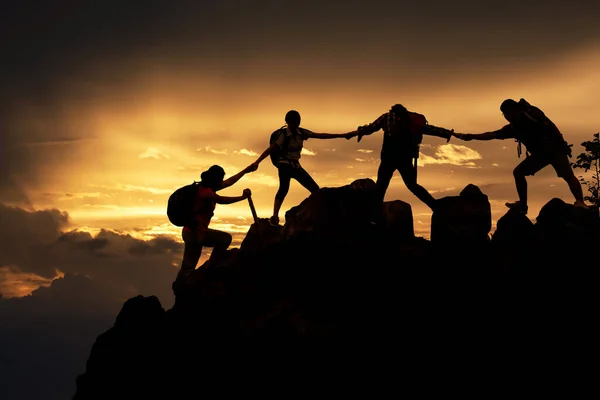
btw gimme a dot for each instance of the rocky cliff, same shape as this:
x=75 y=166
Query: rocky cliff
x=329 y=292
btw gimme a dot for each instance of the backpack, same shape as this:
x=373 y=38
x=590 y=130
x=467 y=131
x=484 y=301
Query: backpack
x=416 y=127
x=180 y=207
x=537 y=116
x=278 y=152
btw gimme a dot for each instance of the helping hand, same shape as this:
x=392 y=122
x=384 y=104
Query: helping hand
x=246 y=193
x=463 y=136
x=350 y=135
x=252 y=167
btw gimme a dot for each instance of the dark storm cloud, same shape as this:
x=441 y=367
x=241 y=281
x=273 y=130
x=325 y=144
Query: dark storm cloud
x=49 y=41
x=46 y=337
x=34 y=243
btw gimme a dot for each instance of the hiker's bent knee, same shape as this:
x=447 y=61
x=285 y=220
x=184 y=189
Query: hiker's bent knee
x=520 y=172
x=226 y=238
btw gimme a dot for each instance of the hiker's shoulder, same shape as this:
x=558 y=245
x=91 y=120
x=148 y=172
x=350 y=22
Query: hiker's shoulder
x=305 y=132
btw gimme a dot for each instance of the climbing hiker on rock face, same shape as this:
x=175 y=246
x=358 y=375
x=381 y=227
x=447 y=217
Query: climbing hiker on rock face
x=544 y=143
x=403 y=132
x=286 y=144
x=196 y=234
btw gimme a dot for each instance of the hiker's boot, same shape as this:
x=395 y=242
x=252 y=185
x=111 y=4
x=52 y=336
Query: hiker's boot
x=581 y=204
x=518 y=207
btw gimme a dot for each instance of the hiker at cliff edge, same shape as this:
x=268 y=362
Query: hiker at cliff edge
x=285 y=146
x=544 y=145
x=403 y=132
x=197 y=234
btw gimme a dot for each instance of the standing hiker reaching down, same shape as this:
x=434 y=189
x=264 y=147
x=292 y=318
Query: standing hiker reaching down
x=403 y=132
x=542 y=139
x=197 y=234
x=286 y=144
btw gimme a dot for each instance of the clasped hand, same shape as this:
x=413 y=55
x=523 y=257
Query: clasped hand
x=252 y=167
x=463 y=136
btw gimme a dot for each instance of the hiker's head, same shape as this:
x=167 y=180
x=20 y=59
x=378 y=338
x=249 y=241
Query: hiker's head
x=213 y=177
x=292 y=119
x=398 y=109
x=510 y=109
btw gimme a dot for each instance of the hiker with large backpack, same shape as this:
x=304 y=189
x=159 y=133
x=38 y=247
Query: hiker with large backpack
x=403 y=133
x=285 y=146
x=544 y=143
x=196 y=204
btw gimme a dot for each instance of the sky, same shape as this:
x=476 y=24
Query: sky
x=108 y=107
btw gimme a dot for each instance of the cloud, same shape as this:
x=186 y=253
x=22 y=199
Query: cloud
x=36 y=243
x=153 y=152
x=451 y=154
x=82 y=280
x=364 y=151
x=14 y=283
x=371 y=160
x=307 y=152
x=246 y=152
x=209 y=149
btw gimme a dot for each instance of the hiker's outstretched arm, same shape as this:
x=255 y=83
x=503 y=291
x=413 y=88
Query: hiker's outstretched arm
x=438 y=131
x=372 y=127
x=264 y=154
x=329 y=135
x=499 y=134
x=228 y=199
x=233 y=179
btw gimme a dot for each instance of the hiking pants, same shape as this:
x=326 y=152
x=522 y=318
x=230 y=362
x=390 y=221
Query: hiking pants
x=194 y=241
x=408 y=172
x=287 y=172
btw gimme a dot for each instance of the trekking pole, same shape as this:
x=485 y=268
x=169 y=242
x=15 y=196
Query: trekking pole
x=252 y=209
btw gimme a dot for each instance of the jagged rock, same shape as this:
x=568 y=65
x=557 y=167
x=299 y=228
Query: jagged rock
x=565 y=223
x=343 y=215
x=398 y=221
x=513 y=241
x=261 y=236
x=462 y=221
x=131 y=348
x=249 y=319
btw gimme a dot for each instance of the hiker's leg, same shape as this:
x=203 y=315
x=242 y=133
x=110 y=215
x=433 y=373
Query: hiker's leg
x=219 y=241
x=384 y=176
x=191 y=253
x=563 y=170
x=305 y=179
x=574 y=186
x=285 y=175
x=409 y=175
x=528 y=167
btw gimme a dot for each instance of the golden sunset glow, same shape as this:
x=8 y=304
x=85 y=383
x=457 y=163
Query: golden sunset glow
x=134 y=155
x=108 y=107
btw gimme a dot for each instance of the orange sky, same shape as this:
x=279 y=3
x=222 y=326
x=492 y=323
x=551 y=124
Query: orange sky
x=106 y=136
x=133 y=156
x=108 y=106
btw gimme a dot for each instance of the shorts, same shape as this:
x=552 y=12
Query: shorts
x=535 y=162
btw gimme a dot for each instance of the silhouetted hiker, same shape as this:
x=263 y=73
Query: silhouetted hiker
x=403 y=132
x=530 y=126
x=285 y=148
x=198 y=234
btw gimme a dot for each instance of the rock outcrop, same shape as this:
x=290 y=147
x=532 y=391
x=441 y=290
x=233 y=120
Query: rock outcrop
x=331 y=294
